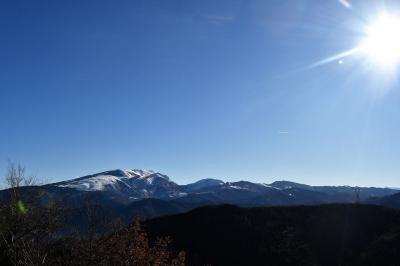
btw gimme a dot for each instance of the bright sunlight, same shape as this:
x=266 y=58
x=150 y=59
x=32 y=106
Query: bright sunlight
x=381 y=44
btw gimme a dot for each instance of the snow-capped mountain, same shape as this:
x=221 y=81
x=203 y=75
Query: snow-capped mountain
x=136 y=184
x=127 y=186
x=131 y=193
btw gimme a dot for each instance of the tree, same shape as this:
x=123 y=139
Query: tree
x=32 y=232
x=25 y=224
x=131 y=247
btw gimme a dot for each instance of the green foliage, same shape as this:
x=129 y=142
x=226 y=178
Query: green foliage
x=21 y=207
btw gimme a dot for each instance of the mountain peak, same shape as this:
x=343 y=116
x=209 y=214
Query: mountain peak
x=129 y=173
x=204 y=183
x=209 y=181
x=138 y=173
x=283 y=184
x=135 y=183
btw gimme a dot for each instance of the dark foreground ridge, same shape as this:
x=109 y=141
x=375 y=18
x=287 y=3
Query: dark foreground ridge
x=337 y=234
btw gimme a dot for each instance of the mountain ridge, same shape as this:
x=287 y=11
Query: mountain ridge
x=136 y=184
x=146 y=194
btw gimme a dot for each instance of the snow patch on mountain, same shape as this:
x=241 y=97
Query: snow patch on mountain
x=95 y=183
x=269 y=186
x=139 y=183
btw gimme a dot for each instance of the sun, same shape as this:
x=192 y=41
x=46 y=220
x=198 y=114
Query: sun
x=381 y=43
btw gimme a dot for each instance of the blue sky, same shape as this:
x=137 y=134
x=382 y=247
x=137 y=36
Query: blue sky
x=196 y=89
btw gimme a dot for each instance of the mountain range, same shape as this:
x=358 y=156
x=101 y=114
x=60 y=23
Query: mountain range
x=133 y=185
x=130 y=186
x=144 y=193
x=126 y=195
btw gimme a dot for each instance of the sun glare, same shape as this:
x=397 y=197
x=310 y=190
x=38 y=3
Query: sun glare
x=381 y=44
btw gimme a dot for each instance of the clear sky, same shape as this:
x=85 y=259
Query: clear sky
x=197 y=89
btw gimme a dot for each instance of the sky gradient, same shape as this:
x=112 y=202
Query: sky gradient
x=196 y=89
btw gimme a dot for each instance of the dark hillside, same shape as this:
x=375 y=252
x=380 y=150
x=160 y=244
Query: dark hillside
x=336 y=234
x=391 y=201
